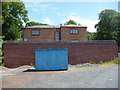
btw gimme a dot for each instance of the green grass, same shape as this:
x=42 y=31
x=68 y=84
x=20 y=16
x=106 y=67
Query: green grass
x=101 y=64
x=108 y=63
x=112 y=62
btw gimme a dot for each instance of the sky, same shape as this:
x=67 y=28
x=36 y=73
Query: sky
x=56 y=13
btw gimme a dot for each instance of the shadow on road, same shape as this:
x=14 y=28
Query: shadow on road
x=34 y=70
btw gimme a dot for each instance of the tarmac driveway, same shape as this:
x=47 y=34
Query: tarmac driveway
x=95 y=77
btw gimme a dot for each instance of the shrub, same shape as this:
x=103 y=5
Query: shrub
x=116 y=61
x=1 y=52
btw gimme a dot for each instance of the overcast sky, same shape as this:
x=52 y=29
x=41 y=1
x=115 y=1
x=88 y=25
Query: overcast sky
x=55 y=13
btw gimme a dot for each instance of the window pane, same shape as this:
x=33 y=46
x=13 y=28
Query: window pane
x=71 y=31
x=35 y=32
x=74 y=31
x=57 y=36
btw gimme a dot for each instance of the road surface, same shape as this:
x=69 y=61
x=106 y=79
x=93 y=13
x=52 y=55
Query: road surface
x=95 y=77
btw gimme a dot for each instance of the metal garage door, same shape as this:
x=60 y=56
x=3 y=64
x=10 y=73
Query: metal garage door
x=51 y=59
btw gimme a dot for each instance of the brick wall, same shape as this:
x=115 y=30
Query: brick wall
x=48 y=34
x=17 y=54
x=65 y=34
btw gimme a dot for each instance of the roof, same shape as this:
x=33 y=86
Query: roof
x=53 y=26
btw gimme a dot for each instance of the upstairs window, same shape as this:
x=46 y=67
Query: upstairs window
x=35 y=32
x=74 y=31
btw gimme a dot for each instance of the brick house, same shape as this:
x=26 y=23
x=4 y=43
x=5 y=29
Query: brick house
x=55 y=32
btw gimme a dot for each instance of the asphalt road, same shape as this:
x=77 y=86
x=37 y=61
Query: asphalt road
x=97 y=77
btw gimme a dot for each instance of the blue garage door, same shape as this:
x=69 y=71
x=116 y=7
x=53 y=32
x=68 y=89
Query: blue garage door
x=51 y=59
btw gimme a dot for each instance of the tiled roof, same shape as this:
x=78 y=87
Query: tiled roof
x=53 y=26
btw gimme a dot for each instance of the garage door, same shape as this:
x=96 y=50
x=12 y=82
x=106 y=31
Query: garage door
x=51 y=59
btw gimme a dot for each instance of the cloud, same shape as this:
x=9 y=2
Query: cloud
x=37 y=4
x=69 y=0
x=90 y=24
x=75 y=18
x=37 y=7
x=40 y=6
x=101 y=7
x=73 y=13
x=47 y=20
x=59 y=14
x=84 y=22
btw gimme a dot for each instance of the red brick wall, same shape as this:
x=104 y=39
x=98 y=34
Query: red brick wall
x=48 y=34
x=82 y=35
x=17 y=54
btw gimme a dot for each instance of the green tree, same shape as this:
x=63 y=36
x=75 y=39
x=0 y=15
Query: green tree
x=116 y=33
x=108 y=27
x=91 y=35
x=32 y=23
x=14 y=15
x=71 y=22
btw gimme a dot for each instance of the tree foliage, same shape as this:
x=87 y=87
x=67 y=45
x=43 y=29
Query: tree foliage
x=71 y=22
x=32 y=23
x=1 y=51
x=13 y=17
x=91 y=35
x=108 y=27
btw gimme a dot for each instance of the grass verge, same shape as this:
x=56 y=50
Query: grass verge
x=110 y=63
x=101 y=64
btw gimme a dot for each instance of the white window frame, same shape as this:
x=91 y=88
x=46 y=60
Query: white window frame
x=74 y=31
x=35 y=32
